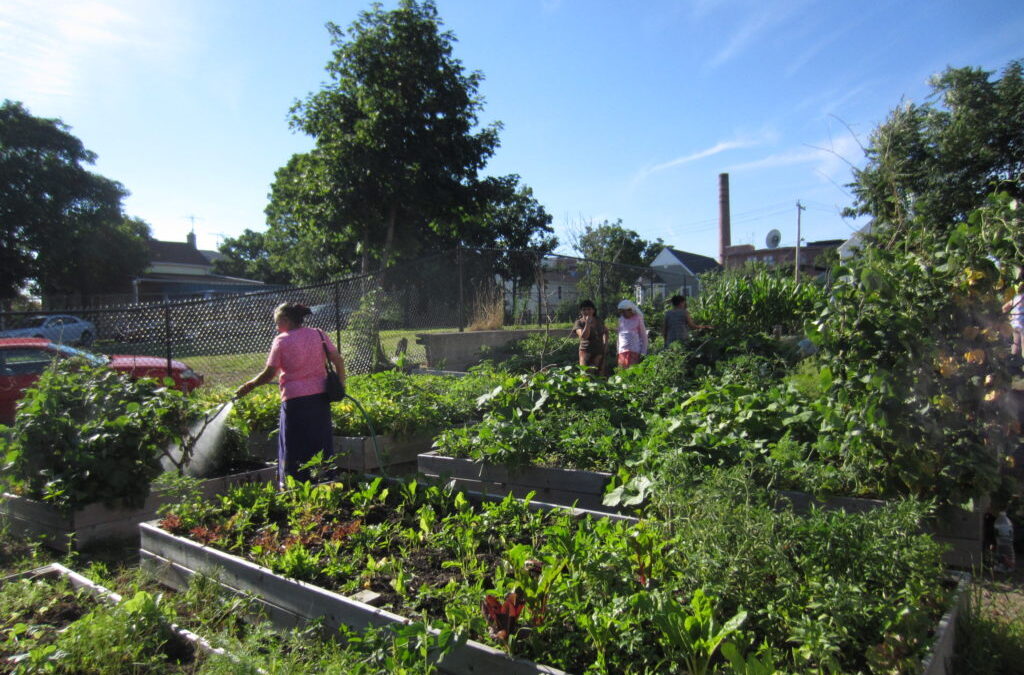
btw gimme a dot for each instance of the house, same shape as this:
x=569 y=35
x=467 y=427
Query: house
x=849 y=247
x=673 y=272
x=555 y=286
x=737 y=256
x=179 y=270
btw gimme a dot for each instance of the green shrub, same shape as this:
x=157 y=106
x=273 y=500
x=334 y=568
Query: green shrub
x=749 y=302
x=85 y=435
x=398 y=404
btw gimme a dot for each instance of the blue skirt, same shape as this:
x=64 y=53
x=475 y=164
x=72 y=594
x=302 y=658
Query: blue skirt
x=305 y=429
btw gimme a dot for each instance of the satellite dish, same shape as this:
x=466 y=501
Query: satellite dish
x=773 y=239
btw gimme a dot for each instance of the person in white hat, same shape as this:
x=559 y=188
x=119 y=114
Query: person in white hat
x=632 y=334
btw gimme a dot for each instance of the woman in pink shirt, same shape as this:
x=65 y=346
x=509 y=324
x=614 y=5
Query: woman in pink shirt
x=298 y=353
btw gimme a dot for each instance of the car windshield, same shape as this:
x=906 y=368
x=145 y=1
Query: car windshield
x=70 y=352
x=33 y=322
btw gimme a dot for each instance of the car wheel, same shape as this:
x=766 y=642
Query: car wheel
x=86 y=339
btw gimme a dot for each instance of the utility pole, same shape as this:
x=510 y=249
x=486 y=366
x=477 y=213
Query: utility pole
x=796 y=257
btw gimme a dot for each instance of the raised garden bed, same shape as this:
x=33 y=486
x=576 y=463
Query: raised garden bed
x=97 y=522
x=355 y=453
x=565 y=487
x=940 y=658
x=187 y=643
x=457 y=351
x=961 y=530
x=289 y=603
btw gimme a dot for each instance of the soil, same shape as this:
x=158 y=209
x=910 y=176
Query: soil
x=62 y=613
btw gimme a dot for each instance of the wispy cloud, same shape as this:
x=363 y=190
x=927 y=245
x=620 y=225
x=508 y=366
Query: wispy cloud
x=715 y=149
x=831 y=158
x=829 y=102
x=48 y=47
x=746 y=34
x=810 y=52
x=758 y=20
x=701 y=154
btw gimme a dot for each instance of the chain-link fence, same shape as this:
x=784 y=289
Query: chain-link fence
x=377 y=319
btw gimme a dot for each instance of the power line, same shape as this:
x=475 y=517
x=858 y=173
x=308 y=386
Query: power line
x=741 y=214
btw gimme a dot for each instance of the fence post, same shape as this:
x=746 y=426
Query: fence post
x=462 y=301
x=167 y=336
x=540 y=289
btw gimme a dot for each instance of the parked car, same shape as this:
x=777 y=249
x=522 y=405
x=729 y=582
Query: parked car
x=60 y=328
x=152 y=329
x=22 y=360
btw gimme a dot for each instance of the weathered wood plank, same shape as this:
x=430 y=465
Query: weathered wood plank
x=353 y=453
x=939 y=660
x=177 y=576
x=96 y=522
x=106 y=595
x=547 y=478
x=582 y=500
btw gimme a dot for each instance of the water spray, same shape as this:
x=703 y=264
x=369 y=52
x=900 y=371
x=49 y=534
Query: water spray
x=196 y=455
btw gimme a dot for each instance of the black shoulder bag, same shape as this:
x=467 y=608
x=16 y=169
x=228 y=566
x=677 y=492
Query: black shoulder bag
x=334 y=389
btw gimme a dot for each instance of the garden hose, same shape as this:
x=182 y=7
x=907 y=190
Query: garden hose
x=373 y=433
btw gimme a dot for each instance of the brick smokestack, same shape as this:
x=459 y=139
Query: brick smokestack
x=724 y=226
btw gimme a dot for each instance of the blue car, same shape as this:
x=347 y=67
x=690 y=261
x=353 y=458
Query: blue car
x=58 y=328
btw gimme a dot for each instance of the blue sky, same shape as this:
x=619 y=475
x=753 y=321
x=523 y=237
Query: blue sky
x=610 y=109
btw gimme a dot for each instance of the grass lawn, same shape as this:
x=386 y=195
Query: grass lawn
x=231 y=370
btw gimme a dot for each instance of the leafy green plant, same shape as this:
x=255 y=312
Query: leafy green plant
x=398 y=403
x=691 y=631
x=87 y=435
x=577 y=593
x=755 y=300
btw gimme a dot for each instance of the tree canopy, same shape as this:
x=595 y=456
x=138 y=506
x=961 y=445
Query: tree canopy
x=611 y=242
x=249 y=256
x=938 y=161
x=397 y=148
x=62 y=229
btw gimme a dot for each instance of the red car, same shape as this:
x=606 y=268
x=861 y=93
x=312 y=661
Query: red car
x=23 y=359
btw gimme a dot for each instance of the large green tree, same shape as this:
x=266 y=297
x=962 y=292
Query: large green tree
x=613 y=243
x=615 y=257
x=249 y=256
x=937 y=161
x=62 y=229
x=397 y=144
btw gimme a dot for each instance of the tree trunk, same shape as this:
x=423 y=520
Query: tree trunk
x=364 y=266
x=389 y=237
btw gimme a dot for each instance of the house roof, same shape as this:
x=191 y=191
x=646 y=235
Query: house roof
x=208 y=279
x=212 y=256
x=181 y=253
x=651 y=277
x=698 y=264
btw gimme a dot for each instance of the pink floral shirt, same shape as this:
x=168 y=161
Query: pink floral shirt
x=298 y=356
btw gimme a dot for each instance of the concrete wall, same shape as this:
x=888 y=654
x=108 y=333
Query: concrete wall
x=457 y=351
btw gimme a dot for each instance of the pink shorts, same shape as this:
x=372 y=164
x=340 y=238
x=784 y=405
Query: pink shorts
x=627 y=359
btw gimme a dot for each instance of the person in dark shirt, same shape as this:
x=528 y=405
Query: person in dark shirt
x=678 y=322
x=593 y=337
